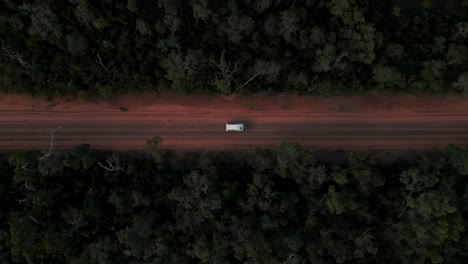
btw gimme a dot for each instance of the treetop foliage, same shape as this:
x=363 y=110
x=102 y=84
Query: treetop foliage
x=282 y=206
x=309 y=46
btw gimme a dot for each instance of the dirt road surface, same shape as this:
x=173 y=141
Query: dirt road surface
x=338 y=123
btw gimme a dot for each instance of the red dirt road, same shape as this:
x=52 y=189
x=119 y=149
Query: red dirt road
x=346 y=123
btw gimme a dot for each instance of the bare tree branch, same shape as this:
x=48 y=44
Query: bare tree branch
x=47 y=154
x=28 y=187
x=260 y=69
x=20 y=201
x=417 y=188
x=226 y=67
x=29 y=216
x=223 y=82
x=19 y=189
x=75 y=225
x=77 y=221
x=113 y=163
x=221 y=60
x=14 y=55
x=24 y=167
x=18 y=57
x=99 y=61
x=338 y=59
x=31 y=74
x=25 y=185
x=313 y=84
x=249 y=80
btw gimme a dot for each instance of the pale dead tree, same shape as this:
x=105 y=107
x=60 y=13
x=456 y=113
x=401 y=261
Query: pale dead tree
x=33 y=76
x=338 y=59
x=13 y=55
x=16 y=56
x=416 y=188
x=75 y=225
x=223 y=82
x=313 y=84
x=260 y=69
x=24 y=186
x=324 y=198
x=27 y=215
x=20 y=201
x=29 y=188
x=19 y=189
x=99 y=61
x=47 y=154
x=226 y=67
x=290 y=258
x=77 y=221
x=249 y=80
x=113 y=163
x=25 y=167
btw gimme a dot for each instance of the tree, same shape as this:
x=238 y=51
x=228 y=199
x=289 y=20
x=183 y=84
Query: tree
x=298 y=80
x=132 y=6
x=325 y=58
x=431 y=74
x=183 y=69
x=262 y=69
x=458 y=158
x=361 y=167
x=102 y=250
x=138 y=239
x=201 y=11
x=288 y=24
x=456 y=54
x=142 y=27
x=287 y=159
x=196 y=202
x=358 y=37
x=80 y=158
x=271 y=26
x=386 y=76
x=237 y=28
x=333 y=201
x=76 y=44
x=462 y=29
x=112 y=163
x=429 y=221
x=223 y=81
x=311 y=37
x=156 y=152
x=44 y=21
x=262 y=5
x=84 y=13
x=462 y=83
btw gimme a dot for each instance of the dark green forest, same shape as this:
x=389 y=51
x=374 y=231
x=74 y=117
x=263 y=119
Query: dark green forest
x=321 y=47
x=270 y=206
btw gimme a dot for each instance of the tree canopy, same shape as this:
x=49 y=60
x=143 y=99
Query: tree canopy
x=281 y=206
x=56 y=47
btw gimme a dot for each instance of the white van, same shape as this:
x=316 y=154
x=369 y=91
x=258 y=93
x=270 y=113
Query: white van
x=236 y=127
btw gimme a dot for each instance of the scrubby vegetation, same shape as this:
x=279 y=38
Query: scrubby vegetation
x=283 y=206
x=321 y=47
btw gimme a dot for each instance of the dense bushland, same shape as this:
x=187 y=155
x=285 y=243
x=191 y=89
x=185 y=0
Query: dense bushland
x=283 y=206
x=309 y=46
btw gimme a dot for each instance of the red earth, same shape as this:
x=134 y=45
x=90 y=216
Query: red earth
x=370 y=122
